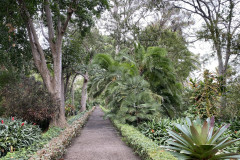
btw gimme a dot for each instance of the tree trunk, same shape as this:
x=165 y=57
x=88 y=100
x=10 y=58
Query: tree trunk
x=59 y=118
x=72 y=93
x=66 y=85
x=84 y=92
x=222 y=71
x=72 y=89
x=53 y=83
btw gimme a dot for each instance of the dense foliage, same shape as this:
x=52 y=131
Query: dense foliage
x=183 y=60
x=29 y=100
x=205 y=96
x=232 y=111
x=16 y=134
x=26 y=153
x=137 y=87
x=126 y=93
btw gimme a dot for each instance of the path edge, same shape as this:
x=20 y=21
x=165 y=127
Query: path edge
x=56 y=148
x=142 y=145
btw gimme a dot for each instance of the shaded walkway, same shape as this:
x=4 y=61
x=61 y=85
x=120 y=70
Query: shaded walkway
x=99 y=141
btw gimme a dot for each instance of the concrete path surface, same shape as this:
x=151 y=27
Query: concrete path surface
x=99 y=141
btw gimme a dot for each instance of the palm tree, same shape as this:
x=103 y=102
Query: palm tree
x=156 y=68
x=134 y=85
x=126 y=93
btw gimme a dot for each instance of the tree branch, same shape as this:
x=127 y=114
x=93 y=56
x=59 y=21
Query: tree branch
x=37 y=50
x=69 y=15
x=44 y=35
x=50 y=26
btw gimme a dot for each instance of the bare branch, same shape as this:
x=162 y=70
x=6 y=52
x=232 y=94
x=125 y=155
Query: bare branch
x=69 y=15
x=49 y=22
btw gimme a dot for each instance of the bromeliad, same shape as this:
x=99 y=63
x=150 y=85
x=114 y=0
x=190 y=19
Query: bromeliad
x=197 y=141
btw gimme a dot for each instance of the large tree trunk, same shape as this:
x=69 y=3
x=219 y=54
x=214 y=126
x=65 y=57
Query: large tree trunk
x=53 y=83
x=222 y=71
x=84 y=92
x=59 y=117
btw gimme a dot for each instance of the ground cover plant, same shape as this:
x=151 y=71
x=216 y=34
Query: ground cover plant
x=16 y=134
x=27 y=152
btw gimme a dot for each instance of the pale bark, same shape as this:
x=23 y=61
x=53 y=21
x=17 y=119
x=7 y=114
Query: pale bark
x=84 y=92
x=53 y=83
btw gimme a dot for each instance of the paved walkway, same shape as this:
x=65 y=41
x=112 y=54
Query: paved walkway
x=99 y=141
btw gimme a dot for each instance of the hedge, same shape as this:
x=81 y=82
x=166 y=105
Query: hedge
x=145 y=147
x=56 y=148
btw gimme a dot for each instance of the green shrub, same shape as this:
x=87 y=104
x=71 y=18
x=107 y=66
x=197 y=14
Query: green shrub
x=197 y=141
x=232 y=111
x=144 y=146
x=156 y=130
x=16 y=134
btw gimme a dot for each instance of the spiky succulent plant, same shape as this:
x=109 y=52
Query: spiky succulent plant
x=200 y=141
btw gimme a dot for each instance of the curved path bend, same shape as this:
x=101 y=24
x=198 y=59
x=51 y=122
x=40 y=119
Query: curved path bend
x=99 y=141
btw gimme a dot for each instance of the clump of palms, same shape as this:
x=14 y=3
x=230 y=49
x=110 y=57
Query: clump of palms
x=197 y=141
x=136 y=87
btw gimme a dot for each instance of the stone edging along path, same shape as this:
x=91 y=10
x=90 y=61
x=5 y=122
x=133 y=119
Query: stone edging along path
x=99 y=140
x=56 y=147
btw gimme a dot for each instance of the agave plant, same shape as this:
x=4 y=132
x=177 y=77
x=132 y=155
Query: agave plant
x=203 y=142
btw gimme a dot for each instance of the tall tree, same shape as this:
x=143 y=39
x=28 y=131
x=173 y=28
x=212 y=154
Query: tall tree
x=221 y=26
x=55 y=16
x=123 y=20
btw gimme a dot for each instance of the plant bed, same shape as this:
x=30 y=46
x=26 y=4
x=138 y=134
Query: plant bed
x=57 y=146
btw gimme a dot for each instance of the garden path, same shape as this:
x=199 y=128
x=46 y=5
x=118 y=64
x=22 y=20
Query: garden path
x=99 y=140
